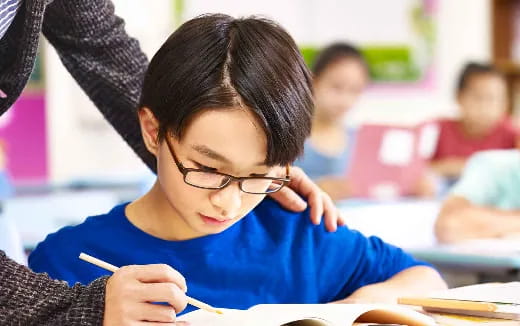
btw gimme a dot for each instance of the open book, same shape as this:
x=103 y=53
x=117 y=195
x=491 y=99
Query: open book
x=493 y=300
x=310 y=315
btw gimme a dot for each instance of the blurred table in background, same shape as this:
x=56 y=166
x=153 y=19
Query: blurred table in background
x=490 y=260
x=37 y=210
x=409 y=224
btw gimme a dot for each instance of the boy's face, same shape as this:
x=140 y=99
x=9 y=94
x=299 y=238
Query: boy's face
x=483 y=102
x=338 y=87
x=229 y=141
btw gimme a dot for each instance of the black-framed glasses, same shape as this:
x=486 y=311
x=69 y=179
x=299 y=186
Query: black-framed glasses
x=205 y=179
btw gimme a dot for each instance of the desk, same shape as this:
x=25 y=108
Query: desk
x=35 y=216
x=490 y=259
x=409 y=225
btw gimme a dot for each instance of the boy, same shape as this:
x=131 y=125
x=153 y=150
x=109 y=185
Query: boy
x=482 y=98
x=225 y=109
x=484 y=203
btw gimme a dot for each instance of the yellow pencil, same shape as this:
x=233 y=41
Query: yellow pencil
x=449 y=304
x=112 y=268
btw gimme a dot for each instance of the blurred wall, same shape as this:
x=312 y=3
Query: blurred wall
x=83 y=144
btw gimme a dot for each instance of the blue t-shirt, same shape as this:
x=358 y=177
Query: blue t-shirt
x=270 y=256
x=491 y=178
x=318 y=165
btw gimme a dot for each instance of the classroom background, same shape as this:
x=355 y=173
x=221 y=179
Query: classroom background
x=415 y=49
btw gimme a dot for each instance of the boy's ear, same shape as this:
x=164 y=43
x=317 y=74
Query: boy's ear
x=149 y=130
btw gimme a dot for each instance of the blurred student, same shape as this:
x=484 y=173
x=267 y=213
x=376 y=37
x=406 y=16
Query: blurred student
x=225 y=125
x=485 y=202
x=483 y=125
x=340 y=75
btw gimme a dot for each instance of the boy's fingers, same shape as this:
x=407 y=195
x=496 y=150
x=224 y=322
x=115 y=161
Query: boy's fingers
x=156 y=313
x=157 y=273
x=164 y=292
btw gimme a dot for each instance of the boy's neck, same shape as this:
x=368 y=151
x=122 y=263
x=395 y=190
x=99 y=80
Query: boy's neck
x=321 y=122
x=472 y=132
x=154 y=215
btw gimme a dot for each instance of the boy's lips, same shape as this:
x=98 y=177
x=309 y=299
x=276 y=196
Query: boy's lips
x=214 y=220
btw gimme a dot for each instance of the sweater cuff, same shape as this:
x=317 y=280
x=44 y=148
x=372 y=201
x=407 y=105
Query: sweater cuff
x=90 y=302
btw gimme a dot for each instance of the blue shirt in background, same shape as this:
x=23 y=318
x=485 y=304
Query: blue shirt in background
x=318 y=165
x=270 y=256
x=491 y=178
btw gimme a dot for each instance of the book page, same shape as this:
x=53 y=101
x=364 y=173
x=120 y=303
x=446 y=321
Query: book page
x=339 y=314
x=228 y=318
x=330 y=314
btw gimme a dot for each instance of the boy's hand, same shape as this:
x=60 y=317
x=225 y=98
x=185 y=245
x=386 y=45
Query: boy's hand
x=320 y=203
x=373 y=293
x=130 y=291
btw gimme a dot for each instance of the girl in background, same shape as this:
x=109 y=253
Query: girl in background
x=340 y=76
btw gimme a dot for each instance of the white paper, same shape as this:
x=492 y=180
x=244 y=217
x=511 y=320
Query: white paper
x=396 y=147
x=428 y=140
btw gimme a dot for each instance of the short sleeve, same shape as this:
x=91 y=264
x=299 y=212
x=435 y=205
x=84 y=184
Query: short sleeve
x=479 y=182
x=350 y=260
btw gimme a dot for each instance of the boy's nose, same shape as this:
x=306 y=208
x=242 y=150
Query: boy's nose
x=228 y=200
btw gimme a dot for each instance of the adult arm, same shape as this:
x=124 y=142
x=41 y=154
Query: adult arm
x=107 y=63
x=27 y=298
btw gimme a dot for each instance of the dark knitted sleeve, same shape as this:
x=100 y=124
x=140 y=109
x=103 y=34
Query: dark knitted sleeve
x=27 y=298
x=108 y=64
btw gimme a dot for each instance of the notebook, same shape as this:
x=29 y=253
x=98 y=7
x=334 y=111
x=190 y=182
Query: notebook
x=310 y=315
x=388 y=162
x=492 y=300
x=461 y=320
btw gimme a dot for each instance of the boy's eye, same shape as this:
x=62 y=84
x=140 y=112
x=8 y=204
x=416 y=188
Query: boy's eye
x=204 y=167
x=260 y=175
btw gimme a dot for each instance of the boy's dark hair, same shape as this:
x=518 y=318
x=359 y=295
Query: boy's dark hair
x=335 y=52
x=217 y=61
x=472 y=69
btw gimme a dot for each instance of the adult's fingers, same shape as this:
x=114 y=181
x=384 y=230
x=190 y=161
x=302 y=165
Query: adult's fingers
x=289 y=199
x=315 y=200
x=331 y=213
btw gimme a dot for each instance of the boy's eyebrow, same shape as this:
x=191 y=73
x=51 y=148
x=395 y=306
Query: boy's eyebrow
x=206 y=151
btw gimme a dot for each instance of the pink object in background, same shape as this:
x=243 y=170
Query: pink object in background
x=388 y=161
x=2 y=94
x=23 y=132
